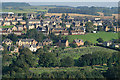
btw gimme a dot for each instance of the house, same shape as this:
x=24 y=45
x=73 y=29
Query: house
x=57 y=33
x=58 y=29
x=58 y=26
x=0 y=22
x=14 y=22
x=17 y=33
x=8 y=19
x=68 y=25
x=3 y=32
x=33 y=21
x=19 y=18
x=19 y=27
x=39 y=45
x=7 y=41
x=47 y=20
x=107 y=28
x=1 y=19
x=47 y=42
x=77 y=23
x=97 y=18
x=117 y=29
x=42 y=29
x=73 y=32
x=116 y=45
x=23 y=22
x=30 y=26
x=94 y=31
x=21 y=42
x=53 y=23
x=14 y=28
x=45 y=24
x=6 y=23
x=107 y=43
x=7 y=29
x=79 y=42
x=15 y=49
x=64 y=43
x=65 y=32
x=1 y=48
x=37 y=25
x=32 y=47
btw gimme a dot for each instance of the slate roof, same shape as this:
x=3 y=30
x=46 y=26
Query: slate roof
x=78 y=40
x=47 y=40
x=7 y=40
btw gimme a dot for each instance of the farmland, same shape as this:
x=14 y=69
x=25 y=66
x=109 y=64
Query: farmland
x=27 y=9
x=70 y=14
x=92 y=37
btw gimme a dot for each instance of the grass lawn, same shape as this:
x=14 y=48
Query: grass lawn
x=52 y=69
x=92 y=37
x=7 y=26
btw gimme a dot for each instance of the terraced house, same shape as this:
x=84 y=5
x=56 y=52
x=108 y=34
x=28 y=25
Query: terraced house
x=22 y=42
x=7 y=41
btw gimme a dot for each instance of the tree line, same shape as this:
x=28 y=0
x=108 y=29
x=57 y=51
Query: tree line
x=85 y=10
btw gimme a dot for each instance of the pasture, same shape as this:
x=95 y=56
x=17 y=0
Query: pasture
x=92 y=37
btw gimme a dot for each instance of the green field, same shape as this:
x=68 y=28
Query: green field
x=52 y=69
x=7 y=26
x=75 y=53
x=27 y=9
x=92 y=37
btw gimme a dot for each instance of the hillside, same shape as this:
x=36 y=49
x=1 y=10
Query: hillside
x=92 y=37
x=14 y=4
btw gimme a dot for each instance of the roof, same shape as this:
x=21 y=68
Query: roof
x=19 y=25
x=64 y=31
x=47 y=40
x=78 y=40
x=68 y=23
x=34 y=20
x=1 y=46
x=22 y=21
x=28 y=46
x=26 y=40
x=14 y=21
x=39 y=44
x=59 y=28
x=63 y=41
x=7 y=40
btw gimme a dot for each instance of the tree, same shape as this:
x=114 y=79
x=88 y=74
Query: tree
x=37 y=35
x=73 y=45
x=19 y=14
x=47 y=60
x=12 y=48
x=13 y=37
x=25 y=16
x=100 y=28
x=18 y=23
x=109 y=63
x=28 y=57
x=63 y=15
x=100 y=40
x=20 y=67
x=67 y=62
x=87 y=43
x=89 y=27
x=112 y=29
x=42 y=16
